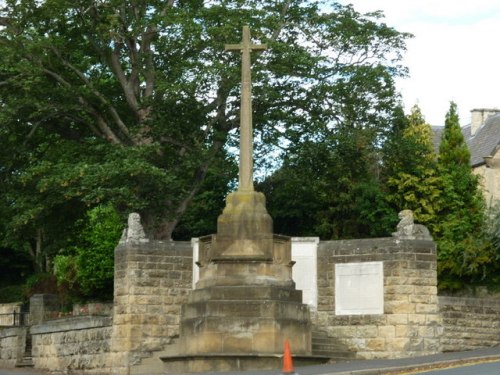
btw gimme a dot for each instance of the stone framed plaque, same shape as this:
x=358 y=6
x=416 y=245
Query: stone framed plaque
x=359 y=288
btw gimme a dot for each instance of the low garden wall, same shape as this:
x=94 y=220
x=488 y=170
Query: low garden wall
x=12 y=346
x=153 y=280
x=9 y=313
x=73 y=345
x=470 y=323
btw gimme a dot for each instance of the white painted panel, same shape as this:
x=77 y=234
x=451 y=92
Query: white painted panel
x=359 y=288
x=304 y=272
x=195 y=243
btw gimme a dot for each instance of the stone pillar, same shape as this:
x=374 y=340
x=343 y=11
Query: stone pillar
x=409 y=324
x=43 y=307
x=152 y=280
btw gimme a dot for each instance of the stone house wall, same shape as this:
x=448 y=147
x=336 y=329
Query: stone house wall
x=410 y=324
x=470 y=323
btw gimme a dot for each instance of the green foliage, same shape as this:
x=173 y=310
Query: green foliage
x=453 y=151
x=41 y=283
x=12 y=293
x=329 y=189
x=135 y=103
x=88 y=270
x=410 y=170
x=464 y=252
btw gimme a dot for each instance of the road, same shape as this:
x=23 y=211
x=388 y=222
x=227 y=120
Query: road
x=491 y=368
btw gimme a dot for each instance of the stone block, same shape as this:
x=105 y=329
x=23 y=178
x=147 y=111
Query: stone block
x=398 y=344
x=397 y=319
x=386 y=331
x=418 y=319
x=423 y=308
x=376 y=344
x=395 y=307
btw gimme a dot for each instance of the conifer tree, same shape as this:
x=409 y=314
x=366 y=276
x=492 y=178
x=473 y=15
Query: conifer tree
x=412 y=181
x=462 y=214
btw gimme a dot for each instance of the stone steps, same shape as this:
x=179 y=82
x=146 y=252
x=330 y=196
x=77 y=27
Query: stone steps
x=322 y=345
x=26 y=361
x=246 y=293
x=245 y=309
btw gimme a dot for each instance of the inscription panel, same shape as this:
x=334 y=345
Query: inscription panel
x=359 y=288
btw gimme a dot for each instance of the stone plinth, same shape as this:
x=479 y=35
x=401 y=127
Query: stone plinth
x=245 y=319
x=43 y=307
x=245 y=304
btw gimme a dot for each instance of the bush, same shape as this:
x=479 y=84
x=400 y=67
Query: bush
x=12 y=293
x=89 y=270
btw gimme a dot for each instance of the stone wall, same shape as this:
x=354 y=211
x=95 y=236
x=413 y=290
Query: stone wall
x=74 y=345
x=152 y=281
x=470 y=323
x=12 y=346
x=9 y=313
x=410 y=323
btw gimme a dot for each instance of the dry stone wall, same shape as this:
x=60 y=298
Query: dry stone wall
x=470 y=323
x=410 y=323
x=73 y=345
x=12 y=345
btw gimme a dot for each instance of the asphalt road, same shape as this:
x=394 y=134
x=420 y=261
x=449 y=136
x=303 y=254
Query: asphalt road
x=492 y=368
x=16 y=371
x=477 y=362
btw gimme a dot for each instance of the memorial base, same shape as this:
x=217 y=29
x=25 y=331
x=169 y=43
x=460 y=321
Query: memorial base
x=209 y=362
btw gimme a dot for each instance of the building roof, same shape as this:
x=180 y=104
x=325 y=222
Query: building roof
x=485 y=142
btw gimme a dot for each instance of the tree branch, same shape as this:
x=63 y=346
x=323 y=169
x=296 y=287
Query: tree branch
x=282 y=22
x=114 y=113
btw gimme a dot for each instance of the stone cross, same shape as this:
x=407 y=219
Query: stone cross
x=246 y=133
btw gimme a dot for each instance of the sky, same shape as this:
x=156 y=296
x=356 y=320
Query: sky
x=454 y=55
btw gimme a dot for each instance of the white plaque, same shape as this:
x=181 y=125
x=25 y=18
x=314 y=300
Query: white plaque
x=195 y=244
x=359 y=288
x=304 y=271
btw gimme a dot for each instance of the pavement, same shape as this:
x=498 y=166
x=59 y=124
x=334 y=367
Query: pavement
x=392 y=366
x=363 y=367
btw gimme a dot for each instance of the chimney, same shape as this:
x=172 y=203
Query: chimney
x=479 y=117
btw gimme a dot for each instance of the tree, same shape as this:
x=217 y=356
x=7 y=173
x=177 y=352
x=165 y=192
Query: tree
x=329 y=188
x=87 y=269
x=135 y=102
x=462 y=214
x=410 y=170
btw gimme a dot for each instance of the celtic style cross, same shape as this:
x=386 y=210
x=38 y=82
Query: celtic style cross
x=246 y=132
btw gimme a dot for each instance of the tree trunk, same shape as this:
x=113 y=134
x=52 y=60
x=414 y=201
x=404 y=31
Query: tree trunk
x=165 y=230
x=38 y=258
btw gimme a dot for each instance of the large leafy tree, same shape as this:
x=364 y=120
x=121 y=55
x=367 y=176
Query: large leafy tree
x=136 y=102
x=329 y=187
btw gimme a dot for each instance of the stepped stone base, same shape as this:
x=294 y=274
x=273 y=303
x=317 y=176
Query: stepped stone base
x=232 y=362
x=245 y=319
x=245 y=305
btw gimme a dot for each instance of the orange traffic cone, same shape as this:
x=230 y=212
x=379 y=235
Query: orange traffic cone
x=287 y=360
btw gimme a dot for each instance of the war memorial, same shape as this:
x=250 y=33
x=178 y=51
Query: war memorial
x=230 y=300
